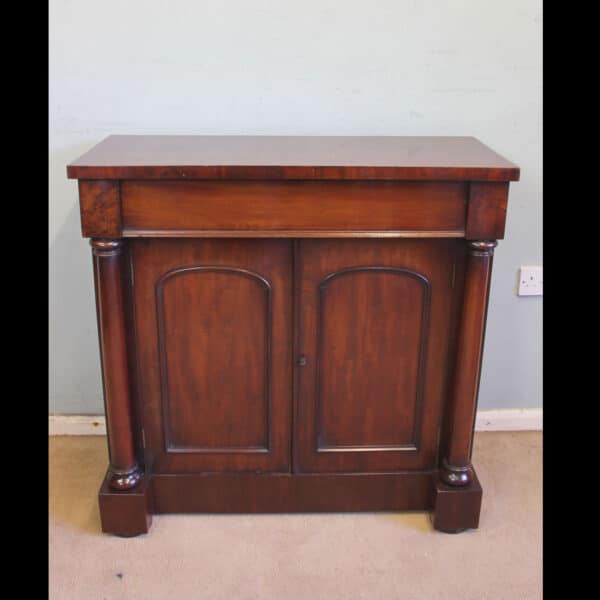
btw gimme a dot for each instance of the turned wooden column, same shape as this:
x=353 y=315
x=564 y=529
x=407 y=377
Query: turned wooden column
x=124 y=472
x=456 y=465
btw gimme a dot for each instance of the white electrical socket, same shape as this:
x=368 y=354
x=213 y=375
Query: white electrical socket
x=531 y=281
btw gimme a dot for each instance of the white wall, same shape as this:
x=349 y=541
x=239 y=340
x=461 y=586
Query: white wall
x=310 y=67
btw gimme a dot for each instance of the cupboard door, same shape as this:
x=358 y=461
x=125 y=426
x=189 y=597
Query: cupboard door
x=374 y=321
x=214 y=336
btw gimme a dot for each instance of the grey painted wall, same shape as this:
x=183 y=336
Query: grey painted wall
x=310 y=67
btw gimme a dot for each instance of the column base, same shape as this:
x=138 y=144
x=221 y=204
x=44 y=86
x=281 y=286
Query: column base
x=124 y=480
x=456 y=476
x=456 y=508
x=128 y=512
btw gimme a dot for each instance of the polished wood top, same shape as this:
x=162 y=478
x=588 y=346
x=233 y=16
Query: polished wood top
x=292 y=157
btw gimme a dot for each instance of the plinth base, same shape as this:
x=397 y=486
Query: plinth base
x=129 y=513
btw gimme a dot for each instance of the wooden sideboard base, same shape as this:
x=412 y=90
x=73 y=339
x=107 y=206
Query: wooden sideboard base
x=130 y=513
x=241 y=493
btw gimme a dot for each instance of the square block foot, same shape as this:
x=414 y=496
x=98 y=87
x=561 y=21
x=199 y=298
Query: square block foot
x=126 y=513
x=457 y=508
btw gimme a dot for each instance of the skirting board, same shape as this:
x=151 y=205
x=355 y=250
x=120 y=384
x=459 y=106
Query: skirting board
x=76 y=425
x=517 y=419
x=511 y=419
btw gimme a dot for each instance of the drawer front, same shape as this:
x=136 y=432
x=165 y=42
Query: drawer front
x=295 y=208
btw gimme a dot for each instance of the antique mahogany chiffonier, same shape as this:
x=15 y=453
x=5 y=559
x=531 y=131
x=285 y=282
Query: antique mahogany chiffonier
x=291 y=323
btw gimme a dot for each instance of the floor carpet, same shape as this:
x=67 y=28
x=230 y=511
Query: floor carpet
x=348 y=556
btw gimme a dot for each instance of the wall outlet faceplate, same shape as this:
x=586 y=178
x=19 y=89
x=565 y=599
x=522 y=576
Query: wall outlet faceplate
x=531 y=281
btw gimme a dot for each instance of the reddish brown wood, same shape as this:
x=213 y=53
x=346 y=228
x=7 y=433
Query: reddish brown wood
x=292 y=157
x=189 y=206
x=456 y=508
x=273 y=493
x=291 y=234
x=487 y=211
x=293 y=374
x=131 y=342
x=374 y=334
x=100 y=208
x=128 y=512
x=458 y=276
x=214 y=346
x=456 y=463
x=214 y=325
x=125 y=472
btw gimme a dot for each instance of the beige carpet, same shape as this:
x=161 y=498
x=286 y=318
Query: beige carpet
x=309 y=556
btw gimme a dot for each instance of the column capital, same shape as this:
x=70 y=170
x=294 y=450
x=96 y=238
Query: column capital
x=481 y=247
x=106 y=247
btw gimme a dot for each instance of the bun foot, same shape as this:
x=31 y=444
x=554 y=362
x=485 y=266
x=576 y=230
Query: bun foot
x=125 y=480
x=457 y=476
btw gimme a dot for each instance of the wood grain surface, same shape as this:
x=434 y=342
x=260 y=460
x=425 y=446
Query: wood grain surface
x=292 y=157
